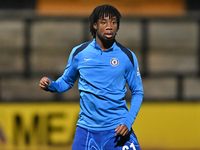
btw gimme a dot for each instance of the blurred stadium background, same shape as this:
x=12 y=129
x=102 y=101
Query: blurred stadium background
x=36 y=37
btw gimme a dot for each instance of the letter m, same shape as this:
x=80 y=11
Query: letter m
x=26 y=131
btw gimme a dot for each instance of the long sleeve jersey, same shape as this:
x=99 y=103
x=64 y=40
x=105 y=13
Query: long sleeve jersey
x=102 y=79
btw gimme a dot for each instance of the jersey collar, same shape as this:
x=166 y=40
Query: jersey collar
x=96 y=45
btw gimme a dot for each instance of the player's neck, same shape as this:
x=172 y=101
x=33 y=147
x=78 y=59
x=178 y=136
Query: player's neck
x=105 y=44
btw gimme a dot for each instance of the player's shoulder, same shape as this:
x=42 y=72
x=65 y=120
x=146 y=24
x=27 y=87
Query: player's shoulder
x=80 y=48
x=130 y=54
x=124 y=49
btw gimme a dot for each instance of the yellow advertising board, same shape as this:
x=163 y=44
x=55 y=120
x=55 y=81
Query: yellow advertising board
x=25 y=125
x=46 y=125
x=169 y=126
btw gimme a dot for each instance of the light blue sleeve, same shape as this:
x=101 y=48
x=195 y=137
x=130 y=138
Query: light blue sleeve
x=134 y=81
x=67 y=80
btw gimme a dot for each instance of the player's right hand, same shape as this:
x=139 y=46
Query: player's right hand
x=121 y=130
x=44 y=82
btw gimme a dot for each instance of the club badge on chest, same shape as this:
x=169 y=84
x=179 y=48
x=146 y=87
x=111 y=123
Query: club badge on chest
x=114 y=62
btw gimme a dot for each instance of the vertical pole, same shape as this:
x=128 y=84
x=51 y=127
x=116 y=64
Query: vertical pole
x=1 y=98
x=144 y=46
x=86 y=30
x=27 y=48
x=198 y=50
x=180 y=79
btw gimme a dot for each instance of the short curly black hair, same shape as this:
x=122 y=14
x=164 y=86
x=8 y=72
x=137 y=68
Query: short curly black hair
x=99 y=12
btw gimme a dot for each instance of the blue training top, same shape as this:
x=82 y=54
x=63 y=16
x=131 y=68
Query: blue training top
x=102 y=78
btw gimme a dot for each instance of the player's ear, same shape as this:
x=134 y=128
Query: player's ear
x=95 y=26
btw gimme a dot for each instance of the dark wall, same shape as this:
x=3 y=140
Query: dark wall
x=193 y=5
x=17 y=4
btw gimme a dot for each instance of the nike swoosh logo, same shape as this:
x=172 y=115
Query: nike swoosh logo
x=87 y=59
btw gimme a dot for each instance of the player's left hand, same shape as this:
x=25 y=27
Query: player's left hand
x=121 y=130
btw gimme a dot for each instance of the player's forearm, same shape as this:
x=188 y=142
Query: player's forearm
x=59 y=86
x=135 y=105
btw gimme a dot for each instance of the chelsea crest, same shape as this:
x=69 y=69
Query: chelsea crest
x=114 y=62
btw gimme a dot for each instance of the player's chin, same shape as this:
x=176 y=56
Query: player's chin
x=110 y=38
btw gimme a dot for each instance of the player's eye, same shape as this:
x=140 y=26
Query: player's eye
x=113 y=22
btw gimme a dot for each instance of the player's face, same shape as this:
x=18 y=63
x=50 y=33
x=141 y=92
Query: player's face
x=106 y=28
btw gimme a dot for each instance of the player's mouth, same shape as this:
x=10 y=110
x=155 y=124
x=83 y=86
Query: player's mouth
x=108 y=35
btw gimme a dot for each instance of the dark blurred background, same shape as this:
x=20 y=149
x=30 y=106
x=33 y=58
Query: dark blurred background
x=36 y=37
x=40 y=35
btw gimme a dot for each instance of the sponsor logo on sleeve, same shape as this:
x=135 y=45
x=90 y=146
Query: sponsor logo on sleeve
x=138 y=71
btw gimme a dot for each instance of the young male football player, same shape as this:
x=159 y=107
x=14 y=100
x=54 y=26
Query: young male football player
x=104 y=67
